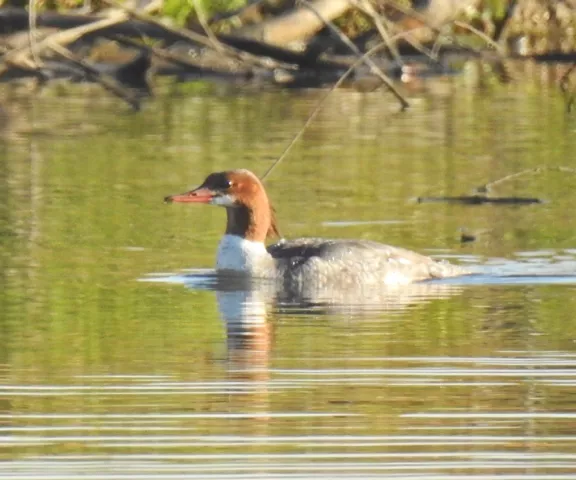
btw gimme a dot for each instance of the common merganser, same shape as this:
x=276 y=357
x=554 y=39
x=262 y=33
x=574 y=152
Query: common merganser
x=304 y=261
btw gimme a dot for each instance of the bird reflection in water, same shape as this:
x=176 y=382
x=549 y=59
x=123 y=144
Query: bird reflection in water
x=246 y=307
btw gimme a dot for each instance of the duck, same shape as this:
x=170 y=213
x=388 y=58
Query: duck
x=302 y=262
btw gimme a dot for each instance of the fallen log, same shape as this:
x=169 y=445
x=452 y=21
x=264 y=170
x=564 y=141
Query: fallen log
x=13 y=20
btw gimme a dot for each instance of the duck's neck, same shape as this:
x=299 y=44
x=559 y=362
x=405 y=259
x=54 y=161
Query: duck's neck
x=249 y=223
x=242 y=248
x=254 y=220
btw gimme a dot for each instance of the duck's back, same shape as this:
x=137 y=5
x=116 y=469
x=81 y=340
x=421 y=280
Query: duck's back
x=350 y=263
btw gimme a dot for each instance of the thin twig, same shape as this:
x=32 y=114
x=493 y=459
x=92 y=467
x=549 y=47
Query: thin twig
x=217 y=44
x=390 y=40
x=564 y=79
x=406 y=36
x=416 y=44
x=410 y=12
x=480 y=34
x=501 y=26
x=32 y=32
x=368 y=9
x=316 y=110
x=373 y=67
x=564 y=85
x=438 y=41
x=486 y=188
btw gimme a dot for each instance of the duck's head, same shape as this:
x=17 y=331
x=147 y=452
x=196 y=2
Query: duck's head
x=249 y=212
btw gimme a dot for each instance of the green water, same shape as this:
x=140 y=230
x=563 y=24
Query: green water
x=105 y=376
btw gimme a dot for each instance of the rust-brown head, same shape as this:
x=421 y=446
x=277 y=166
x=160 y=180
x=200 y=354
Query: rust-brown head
x=248 y=209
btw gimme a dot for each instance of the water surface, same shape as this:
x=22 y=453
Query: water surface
x=107 y=376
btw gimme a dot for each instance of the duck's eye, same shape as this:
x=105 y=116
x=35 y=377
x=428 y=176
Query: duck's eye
x=218 y=182
x=225 y=184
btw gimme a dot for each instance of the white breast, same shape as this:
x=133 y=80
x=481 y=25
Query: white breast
x=241 y=255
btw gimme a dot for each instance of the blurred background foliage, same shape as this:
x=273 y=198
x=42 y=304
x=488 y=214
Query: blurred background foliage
x=530 y=13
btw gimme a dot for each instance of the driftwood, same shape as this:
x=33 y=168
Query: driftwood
x=220 y=55
x=297 y=25
x=257 y=51
x=14 y=20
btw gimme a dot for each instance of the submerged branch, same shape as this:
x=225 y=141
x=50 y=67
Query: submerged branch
x=481 y=196
x=481 y=200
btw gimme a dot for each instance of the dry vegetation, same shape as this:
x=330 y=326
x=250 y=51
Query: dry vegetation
x=284 y=42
